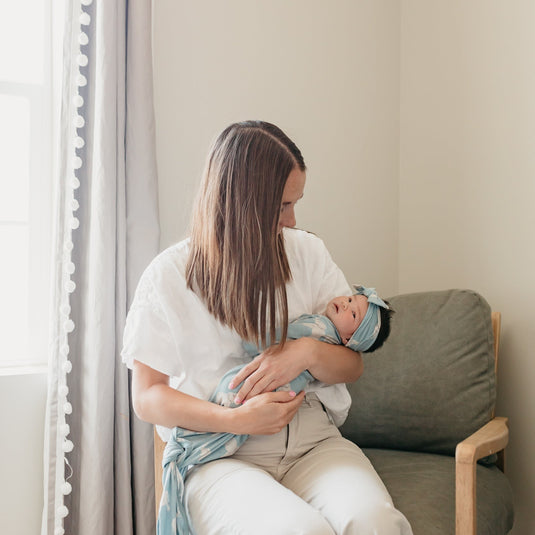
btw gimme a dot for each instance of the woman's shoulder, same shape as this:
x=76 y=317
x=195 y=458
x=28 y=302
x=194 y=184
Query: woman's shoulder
x=298 y=238
x=162 y=285
x=169 y=263
x=303 y=245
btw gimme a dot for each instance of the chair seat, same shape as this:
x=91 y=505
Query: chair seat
x=422 y=486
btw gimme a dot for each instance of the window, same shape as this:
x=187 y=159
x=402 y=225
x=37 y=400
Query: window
x=26 y=141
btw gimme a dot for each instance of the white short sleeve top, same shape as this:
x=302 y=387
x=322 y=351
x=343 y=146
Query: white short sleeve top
x=169 y=328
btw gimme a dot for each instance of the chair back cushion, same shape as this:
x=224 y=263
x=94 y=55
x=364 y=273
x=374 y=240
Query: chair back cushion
x=432 y=384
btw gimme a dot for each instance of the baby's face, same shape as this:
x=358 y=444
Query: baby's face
x=347 y=313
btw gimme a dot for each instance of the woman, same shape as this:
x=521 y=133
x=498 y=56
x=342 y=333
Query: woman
x=243 y=272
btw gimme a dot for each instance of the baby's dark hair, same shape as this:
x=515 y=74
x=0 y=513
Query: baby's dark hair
x=384 y=330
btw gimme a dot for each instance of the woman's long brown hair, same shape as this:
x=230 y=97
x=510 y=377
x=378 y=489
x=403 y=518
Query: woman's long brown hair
x=237 y=263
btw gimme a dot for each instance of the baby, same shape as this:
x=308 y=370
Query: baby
x=361 y=322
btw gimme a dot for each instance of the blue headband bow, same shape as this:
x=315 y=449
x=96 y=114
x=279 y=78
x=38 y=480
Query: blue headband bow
x=366 y=334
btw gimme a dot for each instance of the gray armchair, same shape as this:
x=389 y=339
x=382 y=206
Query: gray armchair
x=423 y=412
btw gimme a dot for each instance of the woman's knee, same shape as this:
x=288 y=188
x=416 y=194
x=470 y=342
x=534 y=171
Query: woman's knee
x=374 y=519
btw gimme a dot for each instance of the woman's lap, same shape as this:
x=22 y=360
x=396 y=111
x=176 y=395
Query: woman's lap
x=306 y=479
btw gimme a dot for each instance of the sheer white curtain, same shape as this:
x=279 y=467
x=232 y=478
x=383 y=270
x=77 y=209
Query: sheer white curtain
x=106 y=233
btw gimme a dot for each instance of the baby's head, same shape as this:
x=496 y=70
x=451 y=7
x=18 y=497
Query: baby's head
x=362 y=319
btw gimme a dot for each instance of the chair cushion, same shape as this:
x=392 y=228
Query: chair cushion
x=432 y=384
x=422 y=486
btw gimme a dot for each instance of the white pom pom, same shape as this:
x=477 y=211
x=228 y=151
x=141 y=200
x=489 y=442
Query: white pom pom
x=77 y=162
x=78 y=121
x=85 y=19
x=67 y=368
x=78 y=101
x=63 y=390
x=83 y=39
x=67 y=446
x=75 y=183
x=70 y=268
x=70 y=286
x=62 y=511
x=67 y=408
x=59 y=531
x=78 y=142
x=69 y=326
x=65 y=309
x=64 y=350
x=82 y=60
x=74 y=223
x=74 y=205
x=65 y=429
x=81 y=80
x=86 y=2
x=66 y=488
x=68 y=245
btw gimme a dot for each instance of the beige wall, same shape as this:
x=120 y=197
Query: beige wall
x=467 y=184
x=328 y=77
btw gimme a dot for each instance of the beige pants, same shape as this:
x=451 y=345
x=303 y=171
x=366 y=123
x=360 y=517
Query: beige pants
x=307 y=480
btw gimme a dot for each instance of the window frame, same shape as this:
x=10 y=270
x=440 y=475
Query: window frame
x=44 y=102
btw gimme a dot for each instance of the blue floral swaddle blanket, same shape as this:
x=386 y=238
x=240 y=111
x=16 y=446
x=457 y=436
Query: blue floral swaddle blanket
x=188 y=448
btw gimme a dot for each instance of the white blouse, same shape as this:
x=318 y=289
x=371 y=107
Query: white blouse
x=169 y=328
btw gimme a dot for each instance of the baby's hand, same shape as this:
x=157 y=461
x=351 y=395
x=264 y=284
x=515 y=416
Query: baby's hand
x=225 y=399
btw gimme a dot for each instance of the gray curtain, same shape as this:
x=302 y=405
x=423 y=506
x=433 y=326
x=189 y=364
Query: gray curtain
x=110 y=182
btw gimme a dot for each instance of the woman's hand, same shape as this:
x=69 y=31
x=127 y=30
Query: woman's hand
x=158 y=403
x=272 y=368
x=265 y=414
x=329 y=363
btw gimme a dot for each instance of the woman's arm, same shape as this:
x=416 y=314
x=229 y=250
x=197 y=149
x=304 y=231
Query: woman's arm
x=333 y=363
x=156 y=402
x=329 y=363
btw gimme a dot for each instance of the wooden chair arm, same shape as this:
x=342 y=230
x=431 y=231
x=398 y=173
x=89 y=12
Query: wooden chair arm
x=491 y=438
x=159 y=446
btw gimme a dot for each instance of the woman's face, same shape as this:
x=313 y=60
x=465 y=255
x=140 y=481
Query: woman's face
x=293 y=191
